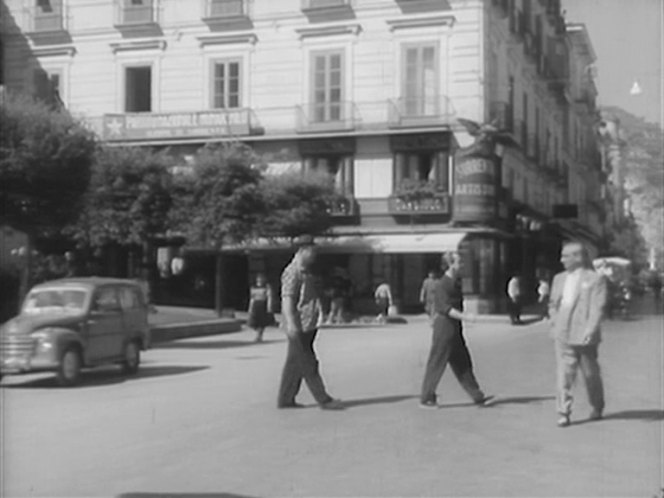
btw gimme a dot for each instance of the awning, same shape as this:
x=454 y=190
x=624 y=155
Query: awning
x=367 y=244
x=393 y=243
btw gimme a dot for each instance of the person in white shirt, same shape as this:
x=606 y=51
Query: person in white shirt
x=578 y=300
x=543 y=291
x=514 y=295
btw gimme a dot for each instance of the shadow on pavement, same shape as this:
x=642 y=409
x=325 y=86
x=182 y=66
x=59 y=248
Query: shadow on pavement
x=109 y=376
x=516 y=400
x=181 y=495
x=646 y=415
x=184 y=344
x=376 y=401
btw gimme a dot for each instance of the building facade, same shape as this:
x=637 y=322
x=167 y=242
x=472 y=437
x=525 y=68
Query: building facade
x=367 y=91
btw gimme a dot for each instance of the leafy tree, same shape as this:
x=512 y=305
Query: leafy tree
x=45 y=161
x=128 y=200
x=296 y=204
x=218 y=201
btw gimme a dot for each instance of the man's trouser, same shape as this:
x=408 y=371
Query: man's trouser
x=301 y=363
x=515 y=309
x=568 y=361
x=449 y=346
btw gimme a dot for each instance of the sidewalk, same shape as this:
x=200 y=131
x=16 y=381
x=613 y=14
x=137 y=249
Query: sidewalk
x=172 y=322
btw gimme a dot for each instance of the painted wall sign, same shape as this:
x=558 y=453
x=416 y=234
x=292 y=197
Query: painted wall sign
x=475 y=189
x=205 y=124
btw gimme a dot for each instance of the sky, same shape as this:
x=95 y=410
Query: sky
x=627 y=36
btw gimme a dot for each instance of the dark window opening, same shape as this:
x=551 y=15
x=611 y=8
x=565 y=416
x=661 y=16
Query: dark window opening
x=138 y=89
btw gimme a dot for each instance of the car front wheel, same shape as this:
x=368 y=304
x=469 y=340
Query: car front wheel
x=132 y=358
x=69 y=369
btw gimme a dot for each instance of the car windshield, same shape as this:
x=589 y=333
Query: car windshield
x=54 y=300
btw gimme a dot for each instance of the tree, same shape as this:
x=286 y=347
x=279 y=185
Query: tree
x=129 y=198
x=45 y=161
x=218 y=201
x=296 y=204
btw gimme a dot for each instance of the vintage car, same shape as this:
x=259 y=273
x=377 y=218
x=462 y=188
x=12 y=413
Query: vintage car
x=69 y=324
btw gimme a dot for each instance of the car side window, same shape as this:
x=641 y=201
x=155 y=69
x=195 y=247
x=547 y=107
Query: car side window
x=106 y=299
x=130 y=298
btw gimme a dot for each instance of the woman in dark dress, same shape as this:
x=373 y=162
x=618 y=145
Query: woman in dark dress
x=448 y=344
x=260 y=306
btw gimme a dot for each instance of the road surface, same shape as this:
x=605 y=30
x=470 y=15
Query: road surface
x=200 y=420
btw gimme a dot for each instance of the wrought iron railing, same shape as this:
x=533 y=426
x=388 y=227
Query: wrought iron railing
x=414 y=111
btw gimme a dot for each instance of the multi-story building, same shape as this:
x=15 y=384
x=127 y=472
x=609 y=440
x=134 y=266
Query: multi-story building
x=368 y=91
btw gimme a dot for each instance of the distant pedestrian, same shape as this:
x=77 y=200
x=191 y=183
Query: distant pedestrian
x=578 y=299
x=260 y=306
x=338 y=294
x=301 y=310
x=655 y=284
x=543 y=291
x=426 y=292
x=448 y=344
x=383 y=297
x=514 y=295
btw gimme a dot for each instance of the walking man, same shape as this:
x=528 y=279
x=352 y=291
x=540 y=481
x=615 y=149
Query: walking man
x=578 y=298
x=426 y=293
x=448 y=344
x=301 y=309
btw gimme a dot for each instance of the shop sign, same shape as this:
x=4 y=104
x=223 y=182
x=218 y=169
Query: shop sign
x=159 y=126
x=475 y=189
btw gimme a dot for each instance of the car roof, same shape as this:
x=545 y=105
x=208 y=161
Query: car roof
x=86 y=282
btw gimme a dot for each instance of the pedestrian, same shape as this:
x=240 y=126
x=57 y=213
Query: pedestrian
x=426 y=292
x=543 y=291
x=301 y=309
x=514 y=303
x=338 y=298
x=448 y=344
x=383 y=297
x=655 y=284
x=260 y=306
x=578 y=298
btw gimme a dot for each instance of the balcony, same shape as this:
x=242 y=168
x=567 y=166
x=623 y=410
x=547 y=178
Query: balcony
x=45 y=18
x=227 y=13
x=407 y=112
x=327 y=116
x=138 y=17
x=327 y=10
x=343 y=207
x=503 y=115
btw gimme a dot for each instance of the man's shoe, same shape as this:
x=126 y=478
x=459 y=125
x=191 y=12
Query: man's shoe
x=429 y=405
x=290 y=405
x=564 y=421
x=595 y=415
x=333 y=404
x=486 y=401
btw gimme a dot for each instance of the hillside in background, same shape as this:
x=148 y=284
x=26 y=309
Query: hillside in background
x=644 y=174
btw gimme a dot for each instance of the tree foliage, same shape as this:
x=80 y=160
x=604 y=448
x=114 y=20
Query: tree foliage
x=219 y=200
x=129 y=198
x=296 y=204
x=45 y=161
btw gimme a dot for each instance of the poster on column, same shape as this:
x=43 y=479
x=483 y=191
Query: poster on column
x=475 y=180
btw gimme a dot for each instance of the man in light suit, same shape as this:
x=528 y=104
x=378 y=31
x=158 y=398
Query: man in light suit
x=576 y=307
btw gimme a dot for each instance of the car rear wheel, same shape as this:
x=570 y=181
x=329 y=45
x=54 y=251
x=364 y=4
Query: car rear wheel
x=132 y=357
x=69 y=369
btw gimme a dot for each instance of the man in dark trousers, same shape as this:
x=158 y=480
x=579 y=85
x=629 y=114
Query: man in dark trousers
x=301 y=309
x=426 y=292
x=448 y=344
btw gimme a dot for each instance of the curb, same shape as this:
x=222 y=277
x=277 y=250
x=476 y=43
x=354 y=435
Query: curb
x=171 y=332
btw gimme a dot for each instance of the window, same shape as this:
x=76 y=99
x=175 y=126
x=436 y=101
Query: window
x=419 y=81
x=138 y=89
x=339 y=167
x=422 y=167
x=47 y=85
x=137 y=11
x=226 y=85
x=106 y=300
x=328 y=75
x=130 y=299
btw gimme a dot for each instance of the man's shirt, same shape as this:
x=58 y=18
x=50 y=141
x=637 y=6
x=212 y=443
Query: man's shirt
x=569 y=289
x=300 y=285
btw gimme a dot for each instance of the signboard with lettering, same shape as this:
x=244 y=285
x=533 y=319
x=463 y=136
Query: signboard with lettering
x=475 y=189
x=161 y=126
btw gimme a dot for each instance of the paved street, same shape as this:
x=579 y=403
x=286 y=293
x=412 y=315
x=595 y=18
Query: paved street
x=200 y=419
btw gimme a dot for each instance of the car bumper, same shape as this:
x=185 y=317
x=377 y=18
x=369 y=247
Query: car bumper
x=24 y=364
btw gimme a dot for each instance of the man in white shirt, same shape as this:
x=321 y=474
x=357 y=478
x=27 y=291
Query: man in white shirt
x=578 y=299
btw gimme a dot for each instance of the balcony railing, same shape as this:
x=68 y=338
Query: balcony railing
x=503 y=114
x=438 y=204
x=224 y=9
x=139 y=14
x=47 y=19
x=327 y=116
x=419 y=111
x=325 y=4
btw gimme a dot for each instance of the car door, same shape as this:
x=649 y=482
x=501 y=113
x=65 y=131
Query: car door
x=105 y=325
